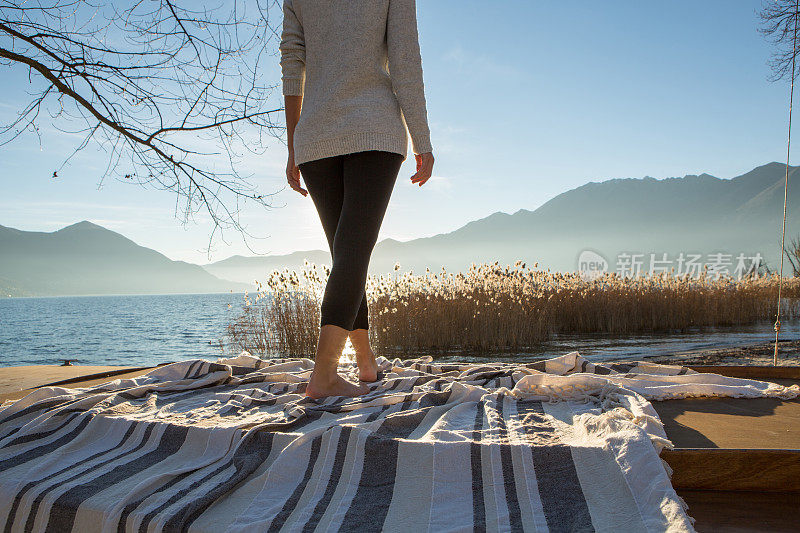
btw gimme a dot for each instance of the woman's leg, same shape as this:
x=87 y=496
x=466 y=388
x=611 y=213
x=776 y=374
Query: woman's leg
x=365 y=357
x=369 y=179
x=325 y=184
x=362 y=317
x=359 y=337
x=324 y=181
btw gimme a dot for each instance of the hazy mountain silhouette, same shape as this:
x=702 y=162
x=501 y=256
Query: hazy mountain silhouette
x=694 y=214
x=85 y=258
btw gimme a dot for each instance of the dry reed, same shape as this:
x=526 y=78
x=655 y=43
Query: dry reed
x=492 y=309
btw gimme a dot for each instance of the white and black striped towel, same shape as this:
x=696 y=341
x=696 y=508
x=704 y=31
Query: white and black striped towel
x=234 y=446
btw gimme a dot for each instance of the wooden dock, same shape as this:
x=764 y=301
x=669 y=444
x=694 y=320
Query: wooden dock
x=18 y=381
x=736 y=461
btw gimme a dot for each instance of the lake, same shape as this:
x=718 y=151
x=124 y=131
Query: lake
x=145 y=330
x=130 y=330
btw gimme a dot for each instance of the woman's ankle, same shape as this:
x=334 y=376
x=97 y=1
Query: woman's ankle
x=330 y=345
x=359 y=339
x=324 y=376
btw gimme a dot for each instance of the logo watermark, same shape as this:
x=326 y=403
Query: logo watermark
x=591 y=264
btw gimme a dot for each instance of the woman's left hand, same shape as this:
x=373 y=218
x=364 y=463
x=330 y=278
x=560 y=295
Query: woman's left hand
x=424 y=168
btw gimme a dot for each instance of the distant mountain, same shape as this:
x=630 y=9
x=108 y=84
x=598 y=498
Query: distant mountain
x=249 y=269
x=699 y=214
x=85 y=258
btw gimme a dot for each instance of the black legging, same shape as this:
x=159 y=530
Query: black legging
x=351 y=193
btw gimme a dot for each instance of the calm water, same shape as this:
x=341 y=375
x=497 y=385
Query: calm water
x=138 y=330
x=151 y=329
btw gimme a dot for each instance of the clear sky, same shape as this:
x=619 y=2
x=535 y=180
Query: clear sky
x=526 y=100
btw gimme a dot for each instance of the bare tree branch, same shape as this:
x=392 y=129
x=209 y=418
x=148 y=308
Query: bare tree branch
x=172 y=90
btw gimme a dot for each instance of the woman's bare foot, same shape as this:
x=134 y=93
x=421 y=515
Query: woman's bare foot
x=367 y=366
x=324 y=380
x=319 y=387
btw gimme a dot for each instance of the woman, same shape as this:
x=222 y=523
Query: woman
x=354 y=68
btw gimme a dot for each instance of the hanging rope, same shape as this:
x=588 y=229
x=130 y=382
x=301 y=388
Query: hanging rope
x=786 y=186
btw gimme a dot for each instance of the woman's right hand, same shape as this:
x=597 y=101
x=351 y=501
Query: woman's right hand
x=293 y=176
x=424 y=168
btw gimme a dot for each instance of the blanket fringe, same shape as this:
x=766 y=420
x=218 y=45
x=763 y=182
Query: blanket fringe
x=685 y=507
x=779 y=392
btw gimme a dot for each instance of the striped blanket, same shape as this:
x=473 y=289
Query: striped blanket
x=234 y=446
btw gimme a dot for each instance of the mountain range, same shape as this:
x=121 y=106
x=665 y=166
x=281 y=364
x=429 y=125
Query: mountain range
x=695 y=214
x=85 y=258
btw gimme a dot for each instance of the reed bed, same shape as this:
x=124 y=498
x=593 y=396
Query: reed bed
x=491 y=309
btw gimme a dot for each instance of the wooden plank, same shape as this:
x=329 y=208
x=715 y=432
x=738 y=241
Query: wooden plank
x=17 y=378
x=726 y=469
x=17 y=394
x=99 y=375
x=719 y=422
x=742 y=512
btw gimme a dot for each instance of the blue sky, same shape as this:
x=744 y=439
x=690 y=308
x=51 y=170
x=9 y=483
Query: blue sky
x=526 y=100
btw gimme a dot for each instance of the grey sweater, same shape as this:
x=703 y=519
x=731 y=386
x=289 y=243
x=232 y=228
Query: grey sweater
x=357 y=65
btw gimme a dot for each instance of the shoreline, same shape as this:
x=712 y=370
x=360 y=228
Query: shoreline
x=759 y=354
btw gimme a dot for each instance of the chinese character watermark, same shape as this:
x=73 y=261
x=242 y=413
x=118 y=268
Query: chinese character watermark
x=592 y=264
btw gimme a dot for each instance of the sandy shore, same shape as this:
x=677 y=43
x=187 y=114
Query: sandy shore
x=17 y=381
x=753 y=354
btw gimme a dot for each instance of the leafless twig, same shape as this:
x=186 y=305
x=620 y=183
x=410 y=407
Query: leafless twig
x=172 y=90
